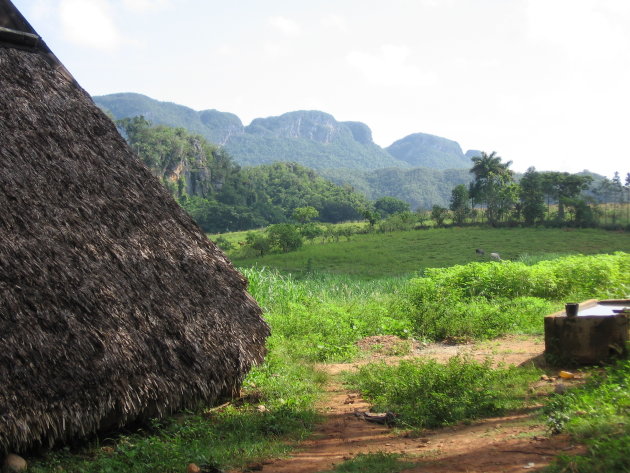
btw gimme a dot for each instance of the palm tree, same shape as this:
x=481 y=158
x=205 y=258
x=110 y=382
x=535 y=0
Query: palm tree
x=492 y=179
x=487 y=164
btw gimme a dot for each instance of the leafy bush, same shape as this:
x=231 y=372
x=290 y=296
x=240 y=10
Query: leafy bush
x=575 y=275
x=284 y=236
x=224 y=243
x=430 y=394
x=485 y=300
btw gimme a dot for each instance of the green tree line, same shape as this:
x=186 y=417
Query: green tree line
x=550 y=197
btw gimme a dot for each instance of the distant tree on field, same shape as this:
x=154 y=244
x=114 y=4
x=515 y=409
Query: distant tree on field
x=305 y=214
x=460 y=205
x=390 y=206
x=258 y=242
x=439 y=214
x=284 y=236
x=532 y=197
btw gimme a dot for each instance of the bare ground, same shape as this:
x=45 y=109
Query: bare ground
x=512 y=443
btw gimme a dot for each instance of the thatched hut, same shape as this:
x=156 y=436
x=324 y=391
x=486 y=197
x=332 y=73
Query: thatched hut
x=114 y=306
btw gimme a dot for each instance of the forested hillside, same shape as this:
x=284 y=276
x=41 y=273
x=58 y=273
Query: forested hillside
x=420 y=187
x=311 y=138
x=220 y=195
x=429 y=151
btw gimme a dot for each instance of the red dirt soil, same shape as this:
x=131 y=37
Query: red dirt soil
x=503 y=444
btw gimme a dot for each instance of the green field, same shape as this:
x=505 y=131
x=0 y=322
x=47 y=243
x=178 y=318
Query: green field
x=378 y=255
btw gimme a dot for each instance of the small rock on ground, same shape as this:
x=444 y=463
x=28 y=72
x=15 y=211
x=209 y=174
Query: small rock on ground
x=14 y=464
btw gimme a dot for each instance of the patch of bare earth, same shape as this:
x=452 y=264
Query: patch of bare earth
x=511 y=443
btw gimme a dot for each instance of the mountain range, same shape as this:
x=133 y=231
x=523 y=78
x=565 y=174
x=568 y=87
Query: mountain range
x=309 y=137
x=419 y=168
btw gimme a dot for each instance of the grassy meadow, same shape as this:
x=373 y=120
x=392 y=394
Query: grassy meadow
x=378 y=255
x=383 y=284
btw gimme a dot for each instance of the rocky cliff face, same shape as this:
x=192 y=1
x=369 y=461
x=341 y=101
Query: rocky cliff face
x=424 y=150
x=311 y=138
x=360 y=132
x=310 y=125
x=221 y=125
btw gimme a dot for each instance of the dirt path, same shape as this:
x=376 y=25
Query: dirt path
x=503 y=444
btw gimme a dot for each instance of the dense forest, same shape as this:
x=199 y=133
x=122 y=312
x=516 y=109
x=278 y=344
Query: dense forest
x=220 y=195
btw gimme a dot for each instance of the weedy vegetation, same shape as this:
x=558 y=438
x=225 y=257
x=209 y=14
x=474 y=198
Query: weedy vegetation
x=598 y=415
x=431 y=394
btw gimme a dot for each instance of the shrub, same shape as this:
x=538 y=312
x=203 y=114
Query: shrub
x=284 y=237
x=484 y=300
x=429 y=394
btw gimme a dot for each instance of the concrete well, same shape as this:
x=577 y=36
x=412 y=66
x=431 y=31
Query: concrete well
x=598 y=332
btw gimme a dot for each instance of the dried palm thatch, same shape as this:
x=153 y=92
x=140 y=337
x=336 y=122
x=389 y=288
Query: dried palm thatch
x=114 y=307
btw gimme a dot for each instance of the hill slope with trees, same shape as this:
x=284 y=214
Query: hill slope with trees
x=420 y=187
x=311 y=138
x=220 y=195
x=429 y=151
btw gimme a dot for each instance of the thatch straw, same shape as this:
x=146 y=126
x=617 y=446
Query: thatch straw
x=114 y=306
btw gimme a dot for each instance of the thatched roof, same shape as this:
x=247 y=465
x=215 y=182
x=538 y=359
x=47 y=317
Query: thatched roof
x=114 y=306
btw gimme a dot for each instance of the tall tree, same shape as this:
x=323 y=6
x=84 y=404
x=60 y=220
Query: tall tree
x=561 y=187
x=459 y=204
x=493 y=185
x=532 y=197
x=617 y=190
x=570 y=186
x=390 y=205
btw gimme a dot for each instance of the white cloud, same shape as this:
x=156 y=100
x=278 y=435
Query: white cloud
x=389 y=66
x=335 y=22
x=89 y=23
x=287 y=26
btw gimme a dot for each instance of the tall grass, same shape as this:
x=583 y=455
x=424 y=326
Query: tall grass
x=321 y=318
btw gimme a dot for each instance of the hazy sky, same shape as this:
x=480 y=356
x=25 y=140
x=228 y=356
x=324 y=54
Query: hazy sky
x=544 y=83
